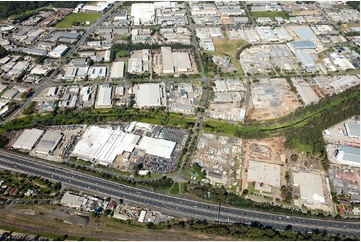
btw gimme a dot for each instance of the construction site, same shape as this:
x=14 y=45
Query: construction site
x=272 y=98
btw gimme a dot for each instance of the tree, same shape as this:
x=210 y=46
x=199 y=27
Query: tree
x=3 y=52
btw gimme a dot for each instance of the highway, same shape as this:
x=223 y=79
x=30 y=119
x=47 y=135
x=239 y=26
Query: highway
x=165 y=203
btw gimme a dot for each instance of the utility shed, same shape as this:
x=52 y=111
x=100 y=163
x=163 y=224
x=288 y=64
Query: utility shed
x=157 y=147
x=149 y=95
x=353 y=130
x=49 y=142
x=117 y=70
x=28 y=139
x=310 y=187
x=167 y=60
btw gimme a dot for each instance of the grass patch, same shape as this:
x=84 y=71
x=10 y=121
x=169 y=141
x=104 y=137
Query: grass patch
x=282 y=14
x=121 y=54
x=302 y=147
x=175 y=189
x=251 y=187
x=78 y=19
x=229 y=48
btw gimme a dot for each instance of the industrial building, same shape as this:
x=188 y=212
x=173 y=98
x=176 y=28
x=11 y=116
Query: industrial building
x=135 y=65
x=265 y=173
x=103 y=145
x=310 y=186
x=157 y=147
x=97 y=72
x=167 y=60
x=104 y=97
x=58 y=51
x=117 y=70
x=348 y=155
x=28 y=139
x=353 y=130
x=143 y=13
x=306 y=60
x=73 y=201
x=305 y=34
x=149 y=95
x=175 y=62
x=48 y=142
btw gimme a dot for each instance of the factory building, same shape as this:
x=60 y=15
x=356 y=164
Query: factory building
x=73 y=201
x=305 y=34
x=175 y=62
x=97 y=72
x=103 y=145
x=28 y=139
x=149 y=95
x=135 y=65
x=310 y=186
x=117 y=70
x=353 y=130
x=143 y=13
x=265 y=173
x=167 y=60
x=157 y=147
x=104 y=98
x=348 y=155
x=306 y=60
x=58 y=51
x=49 y=142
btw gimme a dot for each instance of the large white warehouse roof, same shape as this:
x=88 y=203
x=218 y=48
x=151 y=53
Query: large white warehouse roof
x=28 y=139
x=262 y=172
x=310 y=187
x=149 y=95
x=157 y=147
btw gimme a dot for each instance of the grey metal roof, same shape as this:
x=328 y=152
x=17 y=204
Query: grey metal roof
x=353 y=129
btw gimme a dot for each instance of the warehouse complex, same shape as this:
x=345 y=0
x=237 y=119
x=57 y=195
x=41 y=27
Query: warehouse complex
x=48 y=142
x=148 y=95
x=175 y=62
x=104 y=98
x=265 y=173
x=28 y=139
x=310 y=186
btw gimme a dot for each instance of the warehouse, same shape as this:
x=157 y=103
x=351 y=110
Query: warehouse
x=117 y=70
x=28 y=139
x=303 y=45
x=181 y=62
x=310 y=186
x=353 y=130
x=73 y=201
x=135 y=65
x=143 y=13
x=104 y=98
x=304 y=89
x=305 y=34
x=103 y=145
x=48 y=143
x=149 y=95
x=348 y=155
x=344 y=82
x=265 y=173
x=182 y=107
x=97 y=72
x=157 y=147
x=58 y=51
x=306 y=60
x=167 y=60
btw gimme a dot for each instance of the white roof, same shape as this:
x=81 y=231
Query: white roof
x=58 y=51
x=157 y=147
x=143 y=13
x=117 y=70
x=181 y=61
x=48 y=143
x=262 y=172
x=28 y=139
x=310 y=187
x=135 y=64
x=167 y=60
x=104 y=144
x=104 y=95
x=149 y=95
x=72 y=200
x=97 y=72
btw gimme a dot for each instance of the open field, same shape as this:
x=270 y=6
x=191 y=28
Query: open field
x=225 y=46
x=282 y=14
x=48 y=221
x=72 y=18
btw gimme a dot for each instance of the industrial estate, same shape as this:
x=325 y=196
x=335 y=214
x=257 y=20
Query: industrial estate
x=231 y=120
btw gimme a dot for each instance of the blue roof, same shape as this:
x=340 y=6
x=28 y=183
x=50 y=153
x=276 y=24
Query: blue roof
x=303 y=45
x=305 y=34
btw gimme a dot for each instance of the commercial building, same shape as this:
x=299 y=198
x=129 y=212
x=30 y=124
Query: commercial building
x=73 y=201
x=135 y=65
x=97 y=72
x=167 y=60
x=104 y=98
x=353 y=130
x=157 y=147
x=58 y=51
x=103 y=145
x=117 y=70
x=143 y=13
x=149 y=95
x=348 y=155
x=310 y=186
x=28 y=139
x=306 y=60
x=265 y=173
x=305 y=34
x=48 y=142
x=304 y=45
x=181 y=62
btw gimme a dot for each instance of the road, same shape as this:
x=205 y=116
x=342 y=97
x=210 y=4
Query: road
x=59 y=67
x=165 y=203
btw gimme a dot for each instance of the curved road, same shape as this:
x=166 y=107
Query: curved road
x=169 y=204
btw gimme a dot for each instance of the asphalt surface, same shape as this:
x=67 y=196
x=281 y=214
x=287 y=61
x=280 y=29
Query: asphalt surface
x=169 y=204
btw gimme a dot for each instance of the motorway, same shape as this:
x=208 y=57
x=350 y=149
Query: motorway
x=169 y=204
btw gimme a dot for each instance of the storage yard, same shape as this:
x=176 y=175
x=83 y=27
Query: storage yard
x=272 y=98
x=220 y=156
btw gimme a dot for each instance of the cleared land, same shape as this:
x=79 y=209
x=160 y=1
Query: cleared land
x=225 y=46
x=48 y=221
x=282 y=14
x=80 y=18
